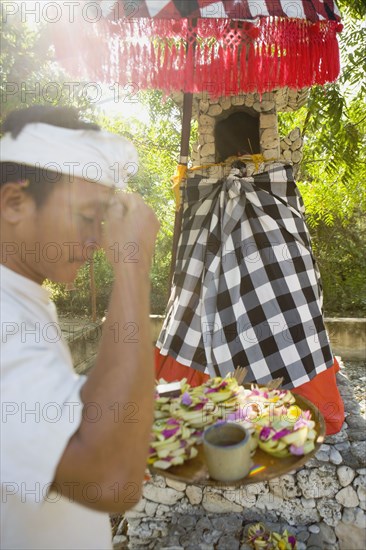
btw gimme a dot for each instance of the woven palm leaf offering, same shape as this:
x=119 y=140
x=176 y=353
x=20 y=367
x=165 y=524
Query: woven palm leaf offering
x=281 y=425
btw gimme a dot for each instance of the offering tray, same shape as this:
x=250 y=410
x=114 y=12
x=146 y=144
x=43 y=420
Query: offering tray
x=265 y=466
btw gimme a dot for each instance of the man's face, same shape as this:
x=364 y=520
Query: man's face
x=58 y=237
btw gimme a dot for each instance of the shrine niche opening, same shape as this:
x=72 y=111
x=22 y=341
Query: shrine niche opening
x=238 y=134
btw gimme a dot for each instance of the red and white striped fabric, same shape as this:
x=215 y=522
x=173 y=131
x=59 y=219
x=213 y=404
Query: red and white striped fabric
x=312 y=10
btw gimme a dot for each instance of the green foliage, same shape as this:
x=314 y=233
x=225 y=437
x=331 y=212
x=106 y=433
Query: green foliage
x=332 y=175
x=158 y=147
x=342 y=262
x=77 y=300
x=158 y=143
x=28 y=74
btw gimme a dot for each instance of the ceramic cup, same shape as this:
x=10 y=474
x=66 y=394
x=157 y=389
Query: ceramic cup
x=227 y=451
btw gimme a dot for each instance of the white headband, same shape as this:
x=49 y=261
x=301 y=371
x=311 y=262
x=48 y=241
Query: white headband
x=95 y=156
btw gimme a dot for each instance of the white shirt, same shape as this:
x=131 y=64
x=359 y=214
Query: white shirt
x=41 y=410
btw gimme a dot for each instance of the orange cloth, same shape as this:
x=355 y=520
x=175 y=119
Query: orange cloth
x=168 y=368
x=322 y=390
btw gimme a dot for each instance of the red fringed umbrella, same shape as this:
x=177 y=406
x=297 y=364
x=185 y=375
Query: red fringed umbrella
x=223 y=47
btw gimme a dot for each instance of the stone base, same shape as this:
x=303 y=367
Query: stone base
x=323 y=504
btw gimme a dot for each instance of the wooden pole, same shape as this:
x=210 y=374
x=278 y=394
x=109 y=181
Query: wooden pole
x=93 y=290
x=183 y=159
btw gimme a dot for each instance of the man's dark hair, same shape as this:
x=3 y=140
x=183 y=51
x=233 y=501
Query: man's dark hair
x=41 y=181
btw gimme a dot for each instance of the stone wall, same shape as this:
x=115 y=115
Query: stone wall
x=347 y=336
x=273 y=147
x=82 y=337
x=323 y=504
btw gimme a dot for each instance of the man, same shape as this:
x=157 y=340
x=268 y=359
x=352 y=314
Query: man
x=72 y=448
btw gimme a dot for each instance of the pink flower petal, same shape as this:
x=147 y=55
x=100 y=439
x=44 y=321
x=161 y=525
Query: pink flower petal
x=298 y=451
x=292 y=541
x=169 y=433
x=186 y=399
x=265 y=433
x=281 y=433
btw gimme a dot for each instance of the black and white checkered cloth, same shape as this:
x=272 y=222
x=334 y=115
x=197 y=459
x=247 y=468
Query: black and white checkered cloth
x=246 y=290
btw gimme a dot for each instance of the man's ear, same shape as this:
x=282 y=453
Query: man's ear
x=15 y=203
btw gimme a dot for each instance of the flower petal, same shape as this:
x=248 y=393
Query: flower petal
x=186 y=399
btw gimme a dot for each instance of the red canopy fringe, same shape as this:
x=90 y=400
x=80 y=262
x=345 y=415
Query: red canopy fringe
x=221 y=56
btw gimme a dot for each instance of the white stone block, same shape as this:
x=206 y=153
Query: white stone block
x=345 y=475
x=225 y=103
x=348 y=515
x=318 y=482
x=162 y=495
x=118 y=540
x=162 y=510
x=271 y=144
x=308 y=502
x=207 y=149
x=140 y=506
x=284 y=487
x=269 y=134
x=360 y=485
x=204 y=106
x=335 y=456
x=330 y=510
x=216 y=504
x=350 y=537
x=263 y=106
x=177 y=485
x=270 y=154
x=296 y=157
x=150 y=508
x=281 y=98
x=327 y=533
x=268 y=121
x=295 y=134
x=132 y=514
x=297 y=144
x=360 y=519
x=347 y=497
x=267 y=96
x=209 y=159
x=194 y=494
x=215 y=110
x=237 y=100
x=206 y=121
x=159 y=481
x=204 y=129
x=269 y=502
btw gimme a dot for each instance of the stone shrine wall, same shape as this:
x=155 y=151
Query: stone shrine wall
x=273 y=147
x=323 y=504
